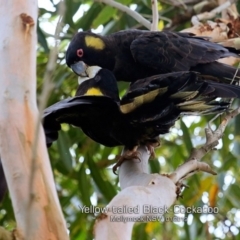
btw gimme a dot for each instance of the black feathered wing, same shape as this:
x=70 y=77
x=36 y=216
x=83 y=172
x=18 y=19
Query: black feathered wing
x=169 y=52
x=93 y=114
x=163 y=98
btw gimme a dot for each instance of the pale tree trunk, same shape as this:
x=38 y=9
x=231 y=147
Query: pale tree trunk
x=28 y=171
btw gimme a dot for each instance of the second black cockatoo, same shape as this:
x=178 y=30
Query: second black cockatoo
x=149 y=108
x=136 y=54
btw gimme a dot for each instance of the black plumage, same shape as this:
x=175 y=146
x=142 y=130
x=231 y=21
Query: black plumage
x=149 y=108
x=93 y=112
x=136 y=54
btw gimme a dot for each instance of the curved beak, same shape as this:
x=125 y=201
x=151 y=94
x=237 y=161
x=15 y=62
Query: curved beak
x=79 y=68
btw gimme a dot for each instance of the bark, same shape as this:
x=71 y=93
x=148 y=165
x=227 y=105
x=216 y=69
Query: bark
x=27 y=168
x=139 y=188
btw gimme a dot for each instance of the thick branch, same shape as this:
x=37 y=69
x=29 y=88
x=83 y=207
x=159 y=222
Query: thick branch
x=136 y=168
x=139 y=188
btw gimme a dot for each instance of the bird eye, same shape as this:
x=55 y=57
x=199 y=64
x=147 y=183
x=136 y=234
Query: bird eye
x=80 y=52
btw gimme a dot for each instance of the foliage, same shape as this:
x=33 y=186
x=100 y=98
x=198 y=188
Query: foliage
x=83 y=168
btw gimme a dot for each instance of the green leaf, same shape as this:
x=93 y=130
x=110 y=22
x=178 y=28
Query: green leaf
x=155 y=166
x=233 y=195
x=186 y=137
x=63 y=147
x=87 y=19
x=104 y=16
x=104 y=186
x=42 y=39
x=84 y=185
x=71 y=8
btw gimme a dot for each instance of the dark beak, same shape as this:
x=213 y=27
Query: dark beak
x=79 y=68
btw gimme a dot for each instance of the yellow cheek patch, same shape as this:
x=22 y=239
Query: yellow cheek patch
x=93 y=92
x=94 y=42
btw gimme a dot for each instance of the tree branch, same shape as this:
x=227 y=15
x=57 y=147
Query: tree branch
x=139 y=189
x=155 y=17
x=128 y=11
x=209 y=15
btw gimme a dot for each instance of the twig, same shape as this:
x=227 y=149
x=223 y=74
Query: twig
x=180 y=3
x=127 y=10
x=213 y=137
x=230 y=12
x=209 y=15
x=147 y=16
x=193 y=164
x=188 y=169
x=155 y=17
x=183 y=4
x=200 y=5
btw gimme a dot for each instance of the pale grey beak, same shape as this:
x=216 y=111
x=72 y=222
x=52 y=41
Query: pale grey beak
x=79 y=68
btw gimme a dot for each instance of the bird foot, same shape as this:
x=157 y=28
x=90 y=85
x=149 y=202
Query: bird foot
x=151 y=148
x=179 y=189
x=129 y=155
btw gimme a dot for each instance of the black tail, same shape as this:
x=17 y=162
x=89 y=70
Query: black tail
x=221 y=72
x=164 y=97
x=205 y=101
x=222 y=90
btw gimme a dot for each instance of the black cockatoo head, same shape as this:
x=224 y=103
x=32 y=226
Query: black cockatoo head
x=88 y=49
x=98 y=82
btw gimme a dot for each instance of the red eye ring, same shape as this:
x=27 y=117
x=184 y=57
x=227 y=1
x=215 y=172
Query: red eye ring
x=80 y=52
